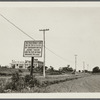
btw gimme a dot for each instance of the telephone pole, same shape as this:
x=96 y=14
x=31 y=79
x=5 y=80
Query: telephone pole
x=75 y=63
x=44 y=49
x=83 y=66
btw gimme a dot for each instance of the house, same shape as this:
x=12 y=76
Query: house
x=25 y=64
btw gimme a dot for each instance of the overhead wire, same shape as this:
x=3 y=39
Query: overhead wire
x=17 y=27
x=30 y=36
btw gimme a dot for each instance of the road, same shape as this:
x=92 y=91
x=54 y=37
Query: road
x=85 y=84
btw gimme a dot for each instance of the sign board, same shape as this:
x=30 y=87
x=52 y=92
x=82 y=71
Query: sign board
x=33 y=48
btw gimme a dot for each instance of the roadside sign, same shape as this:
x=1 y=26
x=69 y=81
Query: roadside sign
x=33 y=48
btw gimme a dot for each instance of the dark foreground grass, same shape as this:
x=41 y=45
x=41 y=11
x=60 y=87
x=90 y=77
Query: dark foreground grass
x=49 y=81
x=39 y=86
x=10 y=71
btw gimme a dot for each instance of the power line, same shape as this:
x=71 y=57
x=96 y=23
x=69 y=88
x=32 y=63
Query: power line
x=56 y=54
x=30 y=36
x=17 y=27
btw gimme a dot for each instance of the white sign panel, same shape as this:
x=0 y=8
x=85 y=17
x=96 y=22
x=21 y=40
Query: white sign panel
x=33 y=48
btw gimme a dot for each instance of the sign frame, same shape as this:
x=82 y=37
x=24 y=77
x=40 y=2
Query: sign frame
x=41 y=47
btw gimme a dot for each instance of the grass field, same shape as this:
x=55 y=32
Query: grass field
x=49 y=80
x=10 y=71
x=53 y=82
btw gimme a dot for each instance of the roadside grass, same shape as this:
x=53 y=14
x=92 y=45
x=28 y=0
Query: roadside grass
x=10 y=71
x=50 y=80
x=37 y=84
x=3 y=82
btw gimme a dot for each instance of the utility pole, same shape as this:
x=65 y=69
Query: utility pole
x=44 y=49
x=83 y=66
x=75 y=63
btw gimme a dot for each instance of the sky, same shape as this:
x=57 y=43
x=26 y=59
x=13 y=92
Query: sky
x=72 y=30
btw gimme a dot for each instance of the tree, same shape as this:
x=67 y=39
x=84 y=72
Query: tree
x=13 y=66
x=51 y=68
x=96 y=69
x=38 y=69
x=68 y=66
x=46 y=68
x=66 y=69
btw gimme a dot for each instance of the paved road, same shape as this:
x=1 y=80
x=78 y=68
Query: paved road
x=86 y=84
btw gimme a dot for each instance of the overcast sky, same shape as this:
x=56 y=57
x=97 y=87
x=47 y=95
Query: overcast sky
x=72 y=30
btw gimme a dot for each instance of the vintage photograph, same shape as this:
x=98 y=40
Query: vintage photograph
x=49 y=48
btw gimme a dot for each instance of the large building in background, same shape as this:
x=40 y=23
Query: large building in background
x=25 y=64
x=17 y=64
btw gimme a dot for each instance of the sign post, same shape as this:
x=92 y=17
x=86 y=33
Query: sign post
x=32 y=49
x=31 y=70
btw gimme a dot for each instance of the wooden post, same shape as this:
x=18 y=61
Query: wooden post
x=75 y=63
x=83 y=66
x=44 y=54
x=32 y=62
x=44 y=49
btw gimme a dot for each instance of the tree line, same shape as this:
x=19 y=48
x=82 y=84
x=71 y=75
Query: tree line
x=51 y=70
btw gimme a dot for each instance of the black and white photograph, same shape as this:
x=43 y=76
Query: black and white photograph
x=49 y=47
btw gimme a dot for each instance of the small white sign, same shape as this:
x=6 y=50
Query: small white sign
x=33 y=48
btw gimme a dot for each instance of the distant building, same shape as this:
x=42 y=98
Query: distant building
x=17 y=64
x=25 y=64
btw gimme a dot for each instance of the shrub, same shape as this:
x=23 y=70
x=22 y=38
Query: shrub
x=15 y=77
x=20 y=84
x=5 y=74
x=1 y=89
x=31 y=81
x=20 y=70
x=95 y=69
x=2 y=85
x=17 y=82
x=28 y=78
x=9 y=85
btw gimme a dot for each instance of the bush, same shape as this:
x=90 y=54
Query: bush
x=2 y=85
x=54 y=72
x=96 y=69
x=15 y=77
x=28 y=78
x=9 y=85
x=18 y=86
x=5 y=74
x=20 y=70
x=17 y=82
x=31 y=81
